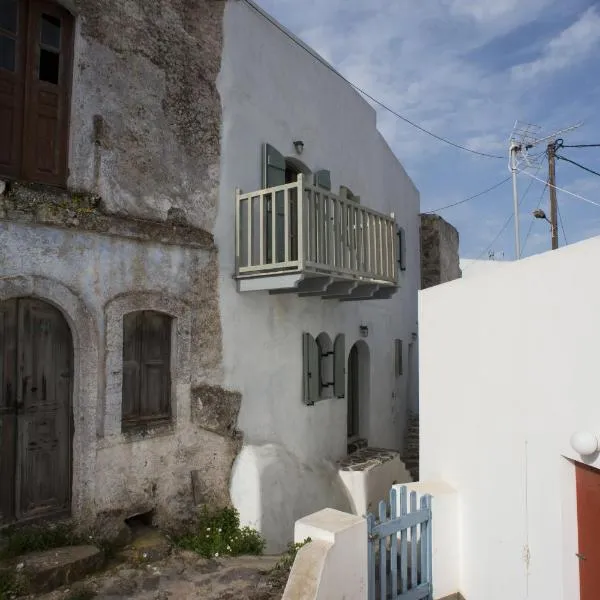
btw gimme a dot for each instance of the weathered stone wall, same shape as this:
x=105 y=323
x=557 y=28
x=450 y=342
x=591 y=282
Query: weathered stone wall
x=146 y=113
x=133 y=231
x=439 y=251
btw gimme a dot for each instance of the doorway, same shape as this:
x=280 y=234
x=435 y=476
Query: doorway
x=36 y=429
x=588 y=528
x=358 y=391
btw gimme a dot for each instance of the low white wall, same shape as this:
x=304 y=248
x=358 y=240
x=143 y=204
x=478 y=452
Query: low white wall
x=366 y=488
x=333 y=566
x=508 y=371
x=444 y=533
x=272 y=489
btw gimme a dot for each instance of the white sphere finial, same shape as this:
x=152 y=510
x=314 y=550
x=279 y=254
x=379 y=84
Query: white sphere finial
x=584 y=443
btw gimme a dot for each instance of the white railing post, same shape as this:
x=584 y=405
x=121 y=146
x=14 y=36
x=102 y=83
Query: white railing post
x=300 y=223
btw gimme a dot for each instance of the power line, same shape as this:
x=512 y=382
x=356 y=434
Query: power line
x=577 y=164
x=562 y=189
x=580 y=145
x=533 y=218
x=561 y=224
x=363 y=92
x=510 y=218
x=429 y=212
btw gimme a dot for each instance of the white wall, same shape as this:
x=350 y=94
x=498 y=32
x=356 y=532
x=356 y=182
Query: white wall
x=508 y=371
x=273 y=91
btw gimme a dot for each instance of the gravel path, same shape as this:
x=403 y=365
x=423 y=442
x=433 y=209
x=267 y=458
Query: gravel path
x=183 y=575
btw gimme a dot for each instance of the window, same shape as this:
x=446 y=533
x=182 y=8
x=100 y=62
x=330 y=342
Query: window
x=146 y=368
x=36 y=48
x=324 y=374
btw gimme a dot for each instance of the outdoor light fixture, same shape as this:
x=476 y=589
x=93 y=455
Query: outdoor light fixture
x=299 y=145
x=540 y=214
x=364 y=330
x=584 y=443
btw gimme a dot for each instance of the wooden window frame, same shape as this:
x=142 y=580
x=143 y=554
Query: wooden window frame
x=32 y=99
x=141 y=416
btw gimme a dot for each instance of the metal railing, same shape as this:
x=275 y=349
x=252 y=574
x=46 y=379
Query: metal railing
x=301 y=227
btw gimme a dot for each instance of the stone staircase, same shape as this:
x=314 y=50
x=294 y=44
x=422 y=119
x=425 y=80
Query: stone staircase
x=410 y=456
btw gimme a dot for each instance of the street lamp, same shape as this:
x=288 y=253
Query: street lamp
x=540 y=214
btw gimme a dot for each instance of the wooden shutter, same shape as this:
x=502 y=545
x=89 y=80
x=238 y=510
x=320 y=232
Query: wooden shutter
x=48 y=90
x=398 y=356
x=132 y=353
x=402 y=248
x=13 y=30
x=155 y=384
x=323 y=179
x=274 y=174
x=339 y=366
x=310 y=367
x=273 y=167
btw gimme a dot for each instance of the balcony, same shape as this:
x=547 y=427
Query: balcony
x=299 y=238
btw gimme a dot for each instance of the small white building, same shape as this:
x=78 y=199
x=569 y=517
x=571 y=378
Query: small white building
x=208 y=271
x=508 y=374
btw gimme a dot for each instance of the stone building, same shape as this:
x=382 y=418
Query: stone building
x=168 y=341
x=440 y=261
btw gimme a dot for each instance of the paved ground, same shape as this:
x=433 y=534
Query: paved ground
x=184 y=576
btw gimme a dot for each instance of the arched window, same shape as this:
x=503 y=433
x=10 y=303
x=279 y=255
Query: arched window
x=36 y=55
x=146 y=368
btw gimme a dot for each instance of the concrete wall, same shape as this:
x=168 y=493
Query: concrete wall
x=131 y=232
x=506 y=379
x=333 y=565
x=439 y=251
x=273 y=91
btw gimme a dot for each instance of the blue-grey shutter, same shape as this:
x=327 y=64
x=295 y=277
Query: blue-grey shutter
x=274 y=174
x=402 y=248
x=310 y=368
x=273 y=167
x=339 y=366
x=323 y=179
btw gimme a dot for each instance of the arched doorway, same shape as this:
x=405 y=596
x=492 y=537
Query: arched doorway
x=36 y=375
x=358 y=389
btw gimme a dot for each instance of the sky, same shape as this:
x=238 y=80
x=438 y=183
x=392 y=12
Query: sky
x=467 y=70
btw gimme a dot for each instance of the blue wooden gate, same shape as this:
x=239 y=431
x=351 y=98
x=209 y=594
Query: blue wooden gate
x=400 y=548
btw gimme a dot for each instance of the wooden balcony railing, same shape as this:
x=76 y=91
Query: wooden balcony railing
x=298 y=227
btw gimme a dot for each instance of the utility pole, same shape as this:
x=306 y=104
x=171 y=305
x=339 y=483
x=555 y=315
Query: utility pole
x=551 y=153
x=514 y=150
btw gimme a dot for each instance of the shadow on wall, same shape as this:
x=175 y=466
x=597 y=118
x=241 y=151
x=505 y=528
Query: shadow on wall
x=272 y=489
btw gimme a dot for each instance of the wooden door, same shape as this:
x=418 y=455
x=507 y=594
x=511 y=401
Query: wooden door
x=35 y=407
x=588 y=525
x=353 y=393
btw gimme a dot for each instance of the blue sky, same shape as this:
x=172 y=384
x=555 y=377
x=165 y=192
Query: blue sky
x=466 y=70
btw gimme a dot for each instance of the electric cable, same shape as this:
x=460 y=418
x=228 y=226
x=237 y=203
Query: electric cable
x=562 y=189
x=561 y=223
x=577 y=164
x=533 y=218
x=316 y=56
x=430 y=212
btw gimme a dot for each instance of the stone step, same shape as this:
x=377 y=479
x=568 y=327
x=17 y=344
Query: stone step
x=39 y=572
x=148 y=545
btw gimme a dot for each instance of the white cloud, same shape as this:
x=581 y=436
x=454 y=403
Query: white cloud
x=571 y=46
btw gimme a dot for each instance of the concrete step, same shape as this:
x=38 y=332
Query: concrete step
x=39 y=572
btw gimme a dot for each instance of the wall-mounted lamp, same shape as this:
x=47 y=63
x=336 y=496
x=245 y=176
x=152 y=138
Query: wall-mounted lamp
x=584 y=443
x=364 y=331
x=299 y=146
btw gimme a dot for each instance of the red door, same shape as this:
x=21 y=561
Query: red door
x=588 y=525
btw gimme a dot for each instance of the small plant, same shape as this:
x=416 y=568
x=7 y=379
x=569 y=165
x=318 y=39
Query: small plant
x=218 y=533
x=281 y=571
x=36 y=538
x=9 y=585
